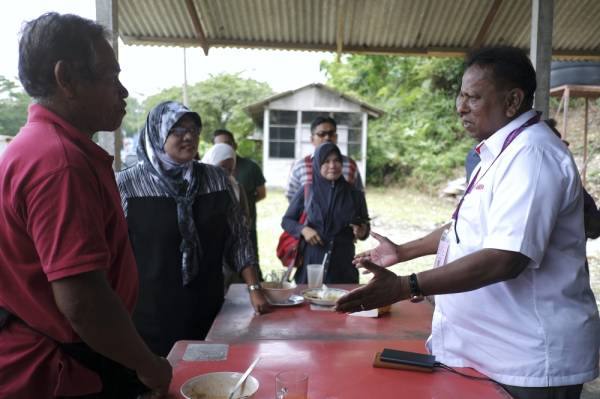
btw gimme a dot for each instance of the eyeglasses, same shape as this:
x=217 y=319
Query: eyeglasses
x=180 y=131
x=323 y=133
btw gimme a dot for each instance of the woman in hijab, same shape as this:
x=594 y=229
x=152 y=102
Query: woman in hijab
x=336 y=216
x=223 y=155
x=182 y=215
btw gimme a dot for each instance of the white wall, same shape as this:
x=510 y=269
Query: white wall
x=311 y=98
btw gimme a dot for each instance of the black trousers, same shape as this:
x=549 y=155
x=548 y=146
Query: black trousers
x=563 y=392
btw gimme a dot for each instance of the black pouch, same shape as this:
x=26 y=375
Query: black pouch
x=118 y=381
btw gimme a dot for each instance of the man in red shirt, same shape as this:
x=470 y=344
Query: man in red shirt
x=67 y=273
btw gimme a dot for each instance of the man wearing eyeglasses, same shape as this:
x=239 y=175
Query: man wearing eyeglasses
x=322 y=129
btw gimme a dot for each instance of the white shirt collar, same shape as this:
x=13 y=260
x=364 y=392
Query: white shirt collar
x=490 y=148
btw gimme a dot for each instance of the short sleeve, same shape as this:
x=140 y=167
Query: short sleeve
x=259 y=178
x=65 y=222
x=529 y=192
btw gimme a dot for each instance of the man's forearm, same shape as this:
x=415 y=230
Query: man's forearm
x=261 y=193
x=426 y=245
x=98 y=316
x=479 y=269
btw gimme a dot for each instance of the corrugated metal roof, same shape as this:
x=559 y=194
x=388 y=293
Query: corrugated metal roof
x=358 y=26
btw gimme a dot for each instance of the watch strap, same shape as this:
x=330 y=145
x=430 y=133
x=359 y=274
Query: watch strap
x=416 y=295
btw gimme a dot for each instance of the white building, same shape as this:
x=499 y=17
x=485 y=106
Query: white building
x=283 y=125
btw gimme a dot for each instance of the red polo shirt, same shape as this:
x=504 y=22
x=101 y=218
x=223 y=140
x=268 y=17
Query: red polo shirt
x=60 y=215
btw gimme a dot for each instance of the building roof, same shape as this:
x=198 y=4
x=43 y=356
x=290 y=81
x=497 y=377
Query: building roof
x=410 y=27
x=256 y=110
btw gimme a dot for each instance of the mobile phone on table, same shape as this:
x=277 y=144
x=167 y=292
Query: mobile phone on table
x=408 y=358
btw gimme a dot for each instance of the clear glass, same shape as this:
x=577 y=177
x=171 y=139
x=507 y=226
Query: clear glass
x=315 y=275
x=291 y=385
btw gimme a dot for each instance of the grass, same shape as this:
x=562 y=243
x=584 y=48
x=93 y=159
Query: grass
x=399 y=214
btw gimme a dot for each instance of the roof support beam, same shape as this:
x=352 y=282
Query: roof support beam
x=197 y=25
x=107 y=15
x=542 y=13
x=341 y=17
x=487 y=24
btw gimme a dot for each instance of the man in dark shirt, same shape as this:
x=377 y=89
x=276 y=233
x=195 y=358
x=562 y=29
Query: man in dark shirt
x=250 y=176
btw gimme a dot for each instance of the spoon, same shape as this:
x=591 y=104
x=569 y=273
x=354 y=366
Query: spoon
x=243 y=377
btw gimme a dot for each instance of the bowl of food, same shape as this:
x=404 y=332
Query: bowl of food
x=218 y=386
x=277 y=292
x=324 y=296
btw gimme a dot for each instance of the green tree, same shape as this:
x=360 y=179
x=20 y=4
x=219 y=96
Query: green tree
x=419 y=139
x=220 y=101
x=134 y=119
x=13 y=107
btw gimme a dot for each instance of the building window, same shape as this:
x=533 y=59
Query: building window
x=282 y=134
x=354 y=143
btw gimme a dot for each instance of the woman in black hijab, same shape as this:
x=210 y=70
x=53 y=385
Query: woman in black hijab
x=336 y=216
x=183 y=219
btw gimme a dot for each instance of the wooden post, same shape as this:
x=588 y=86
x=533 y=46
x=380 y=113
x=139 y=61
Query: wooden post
x=565 y=112
x=560 y=104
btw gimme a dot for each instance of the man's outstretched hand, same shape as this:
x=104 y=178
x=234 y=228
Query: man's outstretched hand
x=384 y=289
x=385 y=254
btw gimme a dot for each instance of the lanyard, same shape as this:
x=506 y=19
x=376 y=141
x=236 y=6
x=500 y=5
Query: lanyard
x=509 y=139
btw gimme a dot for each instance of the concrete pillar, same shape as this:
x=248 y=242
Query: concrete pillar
x=107 y=15
x=542 y=13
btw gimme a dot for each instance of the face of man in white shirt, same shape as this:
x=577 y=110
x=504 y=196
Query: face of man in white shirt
x=482 y=105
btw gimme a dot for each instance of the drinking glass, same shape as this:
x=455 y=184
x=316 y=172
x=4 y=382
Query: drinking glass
x=291 y=385
x=315 y=275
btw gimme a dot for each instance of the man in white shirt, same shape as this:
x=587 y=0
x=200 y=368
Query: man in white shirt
x=512 y=292
x=322 y=129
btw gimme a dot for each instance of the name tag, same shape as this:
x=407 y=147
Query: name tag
x=442 y=251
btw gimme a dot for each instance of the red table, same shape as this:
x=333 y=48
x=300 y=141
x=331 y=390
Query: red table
x=336 y=369
x=335 y=350
x=236 y=321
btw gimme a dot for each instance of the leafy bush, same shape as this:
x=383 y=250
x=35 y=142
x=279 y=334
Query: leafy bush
x=419 y=139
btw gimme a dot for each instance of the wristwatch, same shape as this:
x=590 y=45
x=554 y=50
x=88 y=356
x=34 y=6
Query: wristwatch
x=415 y=291
x=254 y=287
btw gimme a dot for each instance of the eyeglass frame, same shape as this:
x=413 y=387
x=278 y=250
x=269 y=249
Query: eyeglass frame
x=181 y=131
x=323 y=133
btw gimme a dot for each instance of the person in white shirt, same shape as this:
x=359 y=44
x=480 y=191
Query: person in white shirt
x=512 y=293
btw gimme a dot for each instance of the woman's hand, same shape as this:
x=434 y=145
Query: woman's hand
x=311 y=236
x=259 y=302
x=360 y=231
x=385 y=254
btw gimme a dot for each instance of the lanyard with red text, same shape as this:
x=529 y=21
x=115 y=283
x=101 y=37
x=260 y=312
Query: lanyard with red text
x=509 y=139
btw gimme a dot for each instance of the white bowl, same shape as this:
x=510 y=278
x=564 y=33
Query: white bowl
x=278 y=293
x=218 y=385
